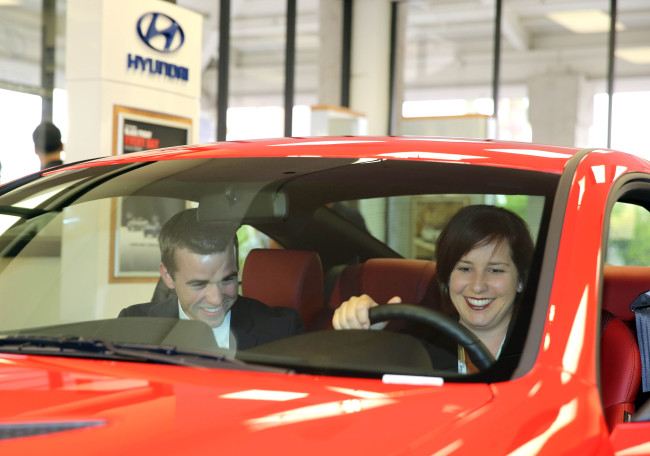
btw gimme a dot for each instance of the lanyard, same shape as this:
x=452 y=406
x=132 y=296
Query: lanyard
x=462 y=366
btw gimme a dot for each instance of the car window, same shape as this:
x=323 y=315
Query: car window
x=411 y=224
x=628 y=243
x=40 y=252
x=78 y=248
x=626 y=276
x=250 y=238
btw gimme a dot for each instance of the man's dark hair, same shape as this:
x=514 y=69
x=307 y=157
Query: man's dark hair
x=47 y=138
x=185 y=231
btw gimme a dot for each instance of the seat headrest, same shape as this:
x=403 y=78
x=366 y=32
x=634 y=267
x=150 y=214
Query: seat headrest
x=383 y=278
x=288 y=278
x=620 y=368
x=621 y=286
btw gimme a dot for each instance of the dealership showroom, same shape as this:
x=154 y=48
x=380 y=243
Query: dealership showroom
x=564 y=72
x=229 y=193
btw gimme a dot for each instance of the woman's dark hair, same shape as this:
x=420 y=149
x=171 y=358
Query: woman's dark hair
x=475 y=226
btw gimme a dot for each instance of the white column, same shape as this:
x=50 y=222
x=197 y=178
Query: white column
x=561 y=109
x=369 y=85
x=330 y=30
x=109 y=64
x=101 y=36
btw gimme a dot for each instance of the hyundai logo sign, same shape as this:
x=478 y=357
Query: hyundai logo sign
x=160 y=32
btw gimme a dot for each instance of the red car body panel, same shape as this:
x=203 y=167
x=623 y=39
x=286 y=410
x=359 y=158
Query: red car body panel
x=552 y=409
x=194 y=404
x=482 y=152
x=181 y=411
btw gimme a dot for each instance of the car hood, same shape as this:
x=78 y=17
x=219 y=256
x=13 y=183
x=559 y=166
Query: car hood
x=112 y=407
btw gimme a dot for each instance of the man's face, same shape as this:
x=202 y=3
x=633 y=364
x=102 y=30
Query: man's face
x=206 y=285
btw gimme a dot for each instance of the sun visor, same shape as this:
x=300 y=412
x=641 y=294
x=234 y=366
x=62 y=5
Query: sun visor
x=243 y=205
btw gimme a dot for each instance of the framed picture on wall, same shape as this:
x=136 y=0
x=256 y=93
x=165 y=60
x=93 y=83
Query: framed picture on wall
x=136 y=220
x=429 y=215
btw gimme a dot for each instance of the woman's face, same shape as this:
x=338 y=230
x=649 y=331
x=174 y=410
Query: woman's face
x=483 y=286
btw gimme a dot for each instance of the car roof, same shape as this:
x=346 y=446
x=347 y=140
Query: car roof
x=527 y=156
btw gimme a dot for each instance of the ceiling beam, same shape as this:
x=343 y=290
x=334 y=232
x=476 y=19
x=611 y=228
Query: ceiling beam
x=512 y=30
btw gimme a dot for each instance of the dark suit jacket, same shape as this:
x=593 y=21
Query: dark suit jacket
x=251 y=322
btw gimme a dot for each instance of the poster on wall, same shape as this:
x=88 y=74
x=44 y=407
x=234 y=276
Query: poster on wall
x=429 y=215
x=136 y=220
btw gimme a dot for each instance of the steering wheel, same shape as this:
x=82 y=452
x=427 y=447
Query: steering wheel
x=481 y=356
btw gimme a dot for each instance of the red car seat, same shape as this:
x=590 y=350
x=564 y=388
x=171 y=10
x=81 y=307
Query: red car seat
x=289 y=278
x=620 y=369
x=382 y=278
x=621 y=286
x=620 y=356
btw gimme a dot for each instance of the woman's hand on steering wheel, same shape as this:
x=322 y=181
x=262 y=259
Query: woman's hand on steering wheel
x=478 y=352
x=353 y=313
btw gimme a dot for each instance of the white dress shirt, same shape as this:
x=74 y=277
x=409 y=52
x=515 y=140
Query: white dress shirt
x=221 y=333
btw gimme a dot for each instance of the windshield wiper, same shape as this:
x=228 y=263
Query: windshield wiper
x=96 y=348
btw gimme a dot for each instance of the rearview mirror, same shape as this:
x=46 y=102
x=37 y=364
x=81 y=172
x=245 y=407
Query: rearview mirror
x=238 y=204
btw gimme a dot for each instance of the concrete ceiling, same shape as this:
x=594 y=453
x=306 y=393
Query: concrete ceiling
x=448 y=44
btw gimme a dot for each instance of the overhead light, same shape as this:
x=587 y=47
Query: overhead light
x=9 y=2
x=584 y=21
x=640 y=55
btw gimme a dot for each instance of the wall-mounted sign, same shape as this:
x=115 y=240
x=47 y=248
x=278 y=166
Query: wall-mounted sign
x=136 y=220
x=163 y=34
x=145 y=44
x=160 y=32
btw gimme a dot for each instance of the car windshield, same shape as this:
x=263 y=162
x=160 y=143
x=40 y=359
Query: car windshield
x=78 y=247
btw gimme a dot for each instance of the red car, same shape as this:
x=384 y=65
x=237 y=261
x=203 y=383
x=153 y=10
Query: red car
x=322 y=219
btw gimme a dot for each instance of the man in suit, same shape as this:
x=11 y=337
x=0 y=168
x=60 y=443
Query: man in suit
x=199 y=262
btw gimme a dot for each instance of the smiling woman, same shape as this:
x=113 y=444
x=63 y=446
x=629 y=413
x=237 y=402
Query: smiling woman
x=486 y=281
x=483 y=255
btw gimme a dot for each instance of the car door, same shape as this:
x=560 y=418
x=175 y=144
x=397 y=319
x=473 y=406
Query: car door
x=626 y=274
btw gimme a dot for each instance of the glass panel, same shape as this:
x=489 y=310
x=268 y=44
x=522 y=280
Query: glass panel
x=629 y=238
x=553 y=57
x=632 y=79
x=20 y=114
x=257 y=48
x=250 y=238
x=448 y=68
x=210 y=61
x=95 y=252
x=20 y=43
x=414 y=222
x=628 y=118
x=306 y=77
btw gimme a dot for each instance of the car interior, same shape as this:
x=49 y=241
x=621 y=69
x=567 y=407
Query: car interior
x=298 y=279
x=414 y=280
x=288 y=278
x=624 y=278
